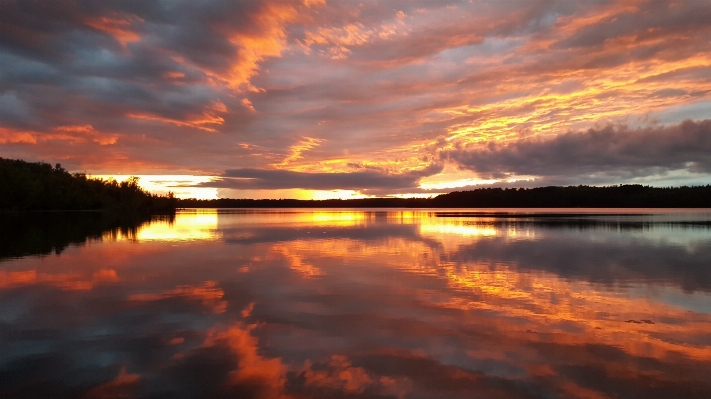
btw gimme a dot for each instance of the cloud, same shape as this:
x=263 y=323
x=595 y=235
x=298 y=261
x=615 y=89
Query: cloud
x=120 y=387
x=295 y=152
x=612 y=151
x=208 y=293
x=155 y=72
x=256 y=179
x=185 y=88
x=265 y=376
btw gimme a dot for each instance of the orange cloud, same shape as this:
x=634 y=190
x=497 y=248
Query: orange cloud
x=14 y=136
x=65 y=281
x=208 y=117
x=68 y=133
x=119 y=26
x=252 y=368
x=82 y=133
x=246 y=312
x=247 y=104
x=296 y=262
x=296 y=150
x=174 y=75
x=209 y=294
x=340 y=375
x=338 y=39
x=268 y=41
x=120 y=387
x=309 y=3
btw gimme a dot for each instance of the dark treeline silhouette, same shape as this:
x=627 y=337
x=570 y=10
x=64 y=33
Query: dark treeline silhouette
x=39 y=186
x=44 y=233
x=623 y=196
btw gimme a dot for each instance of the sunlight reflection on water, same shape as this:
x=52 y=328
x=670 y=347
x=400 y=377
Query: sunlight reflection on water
x=197 y=225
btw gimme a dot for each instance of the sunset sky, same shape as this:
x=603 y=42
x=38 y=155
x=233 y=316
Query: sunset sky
x=338 y=99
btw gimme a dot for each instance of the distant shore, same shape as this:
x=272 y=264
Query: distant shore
x=623 y=196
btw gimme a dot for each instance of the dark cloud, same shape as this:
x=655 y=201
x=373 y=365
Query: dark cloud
x=284 y=179
x=128 y=42
x=611 y=151
x=650 y=20
x=158 y=71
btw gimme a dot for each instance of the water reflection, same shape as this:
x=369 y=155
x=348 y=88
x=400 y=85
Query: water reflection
x=299 y=304
x=193 y=225
x=43 y=233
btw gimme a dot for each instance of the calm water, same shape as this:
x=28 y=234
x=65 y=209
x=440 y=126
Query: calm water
x=406 y=304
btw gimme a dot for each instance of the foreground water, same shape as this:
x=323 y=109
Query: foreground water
x=304 y=303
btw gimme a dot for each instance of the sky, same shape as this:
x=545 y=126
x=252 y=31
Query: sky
x=345 y=99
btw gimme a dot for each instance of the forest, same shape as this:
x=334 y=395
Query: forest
x=30 y=186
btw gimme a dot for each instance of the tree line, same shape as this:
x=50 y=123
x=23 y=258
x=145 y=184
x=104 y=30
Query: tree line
x=41 y=186
x=621 y=196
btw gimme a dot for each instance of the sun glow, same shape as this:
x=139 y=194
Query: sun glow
x=182 y=186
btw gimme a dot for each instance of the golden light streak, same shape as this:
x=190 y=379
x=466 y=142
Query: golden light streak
x=545 y=112
x=458 y=229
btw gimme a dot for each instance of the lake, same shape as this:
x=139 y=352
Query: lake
x=290 y=303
